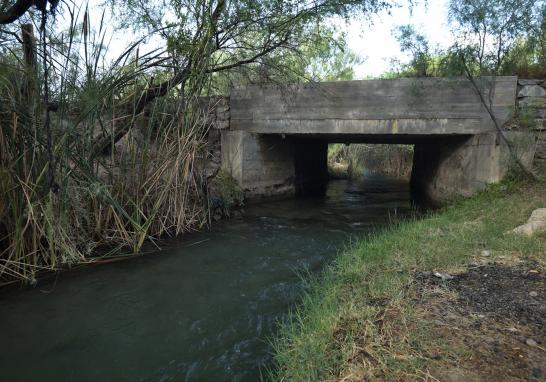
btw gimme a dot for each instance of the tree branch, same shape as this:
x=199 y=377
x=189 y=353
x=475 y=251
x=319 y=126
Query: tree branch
x=21 y=7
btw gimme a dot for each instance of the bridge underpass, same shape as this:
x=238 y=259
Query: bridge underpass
x=278 y=137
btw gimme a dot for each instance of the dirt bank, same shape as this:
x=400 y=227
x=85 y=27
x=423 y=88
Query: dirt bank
x=491 y=319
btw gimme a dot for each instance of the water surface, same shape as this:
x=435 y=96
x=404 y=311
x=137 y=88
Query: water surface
x=202 y=309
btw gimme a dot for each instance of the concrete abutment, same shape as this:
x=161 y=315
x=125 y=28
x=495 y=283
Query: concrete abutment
x=450 y=167
x=267 y=165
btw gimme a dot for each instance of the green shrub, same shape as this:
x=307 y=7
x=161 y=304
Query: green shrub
x=225 y=193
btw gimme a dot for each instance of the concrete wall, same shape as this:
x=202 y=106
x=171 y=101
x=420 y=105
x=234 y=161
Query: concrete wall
x=263 y=165
x=454 y=167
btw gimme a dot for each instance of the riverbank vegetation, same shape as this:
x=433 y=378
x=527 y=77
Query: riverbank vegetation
x=103 y=149
x=364 y=317
x=356 y=160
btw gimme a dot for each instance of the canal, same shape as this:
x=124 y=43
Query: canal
x=201 y=309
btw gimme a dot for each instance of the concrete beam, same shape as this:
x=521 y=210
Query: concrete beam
x=399 y=106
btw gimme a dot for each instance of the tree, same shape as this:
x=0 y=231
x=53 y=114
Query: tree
x=10 y=13
x=488 y=29
x=417 y=45
x=527 y=57
x=210 y=36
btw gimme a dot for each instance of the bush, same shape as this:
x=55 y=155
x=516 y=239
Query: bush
x=225 y=194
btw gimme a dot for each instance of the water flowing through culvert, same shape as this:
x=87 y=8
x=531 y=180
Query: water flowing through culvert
x=200 y=310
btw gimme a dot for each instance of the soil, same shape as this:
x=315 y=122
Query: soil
x=489 y=322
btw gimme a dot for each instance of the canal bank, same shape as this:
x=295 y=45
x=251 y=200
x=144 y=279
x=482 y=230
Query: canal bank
x=370 y=315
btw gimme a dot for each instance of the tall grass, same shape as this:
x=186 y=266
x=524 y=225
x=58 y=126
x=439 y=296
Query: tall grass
x=61 y=201
x=359 y=320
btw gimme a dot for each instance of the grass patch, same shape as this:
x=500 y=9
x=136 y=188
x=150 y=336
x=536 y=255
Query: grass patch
x=359 y=320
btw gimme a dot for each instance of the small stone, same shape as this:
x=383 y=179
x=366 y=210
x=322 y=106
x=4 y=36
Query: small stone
x=533 y=294
x=443 y=276
x=486 y=253
x=531 y=342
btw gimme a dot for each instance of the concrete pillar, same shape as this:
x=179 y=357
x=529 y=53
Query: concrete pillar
x=451 y=167
x=262 y=164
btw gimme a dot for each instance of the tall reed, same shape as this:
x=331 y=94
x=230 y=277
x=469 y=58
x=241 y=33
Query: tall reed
x=150 y=183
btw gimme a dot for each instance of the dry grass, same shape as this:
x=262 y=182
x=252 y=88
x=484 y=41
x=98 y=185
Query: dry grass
x=63 y=203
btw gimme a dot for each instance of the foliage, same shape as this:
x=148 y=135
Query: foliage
x=98 y=155
x=358 y=160
x=226 y=193
x=149 y=184
x=493 y=37
x=488 y=29
x=415 y=43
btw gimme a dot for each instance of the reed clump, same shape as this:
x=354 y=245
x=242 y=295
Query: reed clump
x=63 y=201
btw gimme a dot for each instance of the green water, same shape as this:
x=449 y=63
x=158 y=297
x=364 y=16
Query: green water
x=202 y=308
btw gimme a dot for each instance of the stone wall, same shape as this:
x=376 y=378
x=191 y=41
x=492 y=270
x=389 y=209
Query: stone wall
x=532 y=105
x=216 y=110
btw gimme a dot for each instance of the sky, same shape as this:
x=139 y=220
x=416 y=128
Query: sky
x=376 y=44
x=373 y=42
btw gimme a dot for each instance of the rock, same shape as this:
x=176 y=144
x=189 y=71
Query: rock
x=531 y=342
x=532 y=91
x=535 y=102
x=540 y=150
x=533 y=294
x=540 y=124
x=536 y=223
x=443 y=276
x=485 y=253
x=539 y=113
x=524 y=82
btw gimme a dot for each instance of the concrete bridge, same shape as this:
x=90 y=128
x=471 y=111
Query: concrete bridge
x=277 y=138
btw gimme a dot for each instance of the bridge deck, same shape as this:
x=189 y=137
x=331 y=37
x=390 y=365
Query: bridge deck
x=385 y=107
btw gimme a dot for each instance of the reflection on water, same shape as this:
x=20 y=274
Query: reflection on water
x=201 y=309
